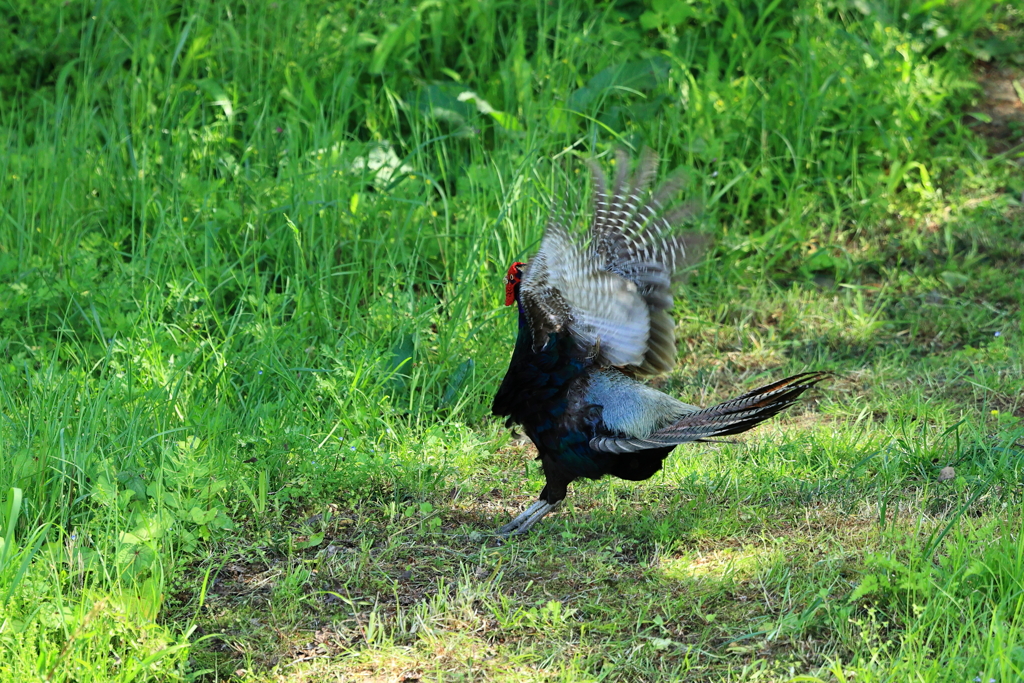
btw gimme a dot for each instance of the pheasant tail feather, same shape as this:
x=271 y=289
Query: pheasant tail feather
x=730 y=417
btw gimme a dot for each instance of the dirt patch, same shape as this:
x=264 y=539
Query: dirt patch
x=1002 y=104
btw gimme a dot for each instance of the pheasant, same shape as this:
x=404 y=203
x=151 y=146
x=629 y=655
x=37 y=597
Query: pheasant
x=593 y=319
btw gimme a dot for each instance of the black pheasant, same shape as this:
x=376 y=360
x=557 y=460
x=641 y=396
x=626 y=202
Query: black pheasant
x=592 y=318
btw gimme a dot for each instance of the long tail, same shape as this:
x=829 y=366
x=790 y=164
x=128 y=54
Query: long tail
x=730 y=417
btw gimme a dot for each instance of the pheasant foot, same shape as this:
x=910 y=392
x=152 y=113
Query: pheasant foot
x=527 y=518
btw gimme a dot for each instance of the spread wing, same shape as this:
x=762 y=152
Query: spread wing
x=612 y=292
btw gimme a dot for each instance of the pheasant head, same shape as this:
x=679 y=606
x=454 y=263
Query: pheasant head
x=512 y=280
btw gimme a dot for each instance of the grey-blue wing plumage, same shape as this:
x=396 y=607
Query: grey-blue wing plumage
x=630 y=407
x=730 y=417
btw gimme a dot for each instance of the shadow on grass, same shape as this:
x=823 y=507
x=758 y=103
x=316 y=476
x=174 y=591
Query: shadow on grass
x=697 y=577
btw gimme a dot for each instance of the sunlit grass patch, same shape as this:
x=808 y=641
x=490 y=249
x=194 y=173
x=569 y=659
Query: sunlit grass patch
x=719 y=564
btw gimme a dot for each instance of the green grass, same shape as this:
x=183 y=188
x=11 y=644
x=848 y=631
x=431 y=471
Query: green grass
x=250 y=286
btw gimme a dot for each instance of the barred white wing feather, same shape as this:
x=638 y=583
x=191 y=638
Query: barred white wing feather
x=615 y=292
x=632 y=239
x=567 y=290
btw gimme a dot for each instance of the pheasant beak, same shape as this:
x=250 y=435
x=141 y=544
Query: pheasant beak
x=512 y=278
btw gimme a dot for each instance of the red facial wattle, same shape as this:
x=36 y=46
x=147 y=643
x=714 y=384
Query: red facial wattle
x=515 y=273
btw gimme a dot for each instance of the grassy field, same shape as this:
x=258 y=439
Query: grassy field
x=251 y=260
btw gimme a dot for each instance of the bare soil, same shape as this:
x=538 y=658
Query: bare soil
x=1002 y=100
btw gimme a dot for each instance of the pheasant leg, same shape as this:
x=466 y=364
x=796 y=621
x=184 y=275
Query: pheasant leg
x=526 y=519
